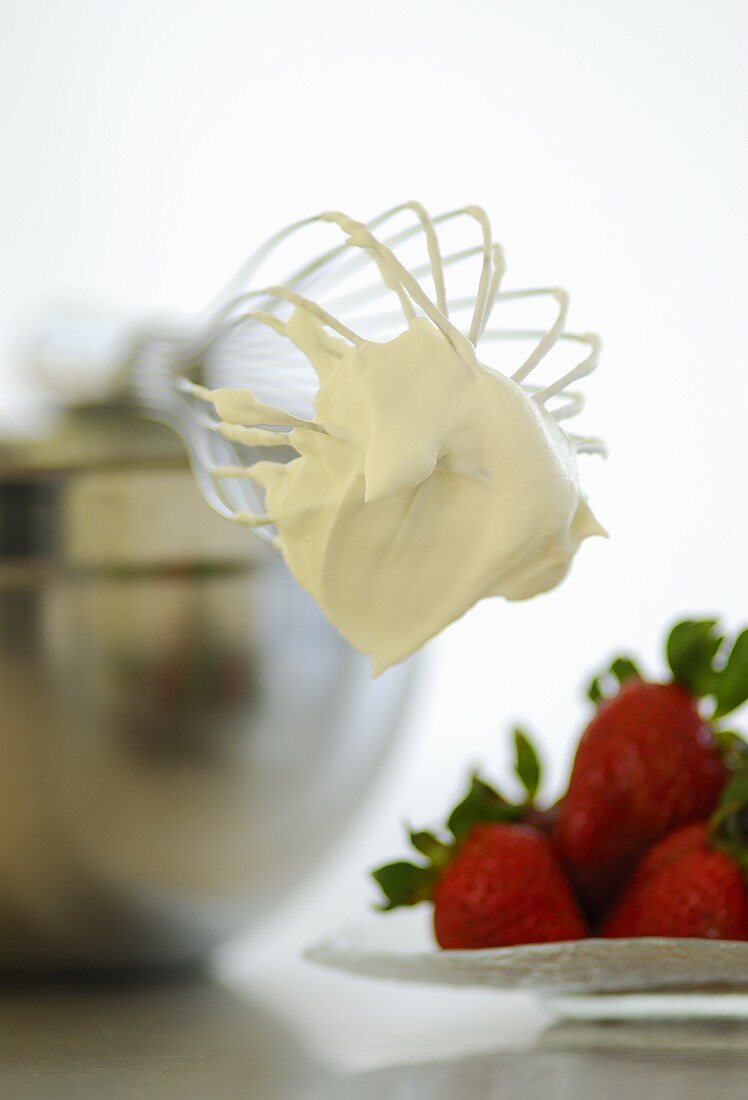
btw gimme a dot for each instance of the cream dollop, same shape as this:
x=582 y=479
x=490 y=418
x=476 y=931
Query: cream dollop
x=425 y=482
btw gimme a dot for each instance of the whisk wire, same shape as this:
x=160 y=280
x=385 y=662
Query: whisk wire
x=240 y=347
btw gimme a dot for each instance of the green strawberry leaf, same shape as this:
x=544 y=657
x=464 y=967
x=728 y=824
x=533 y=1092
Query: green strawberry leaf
x=608 y=682
x=728 y=826
x=404 y=883
x=595 y=691
x=526 y=764
x=735 y=794
x=727 y=833
x=691 y=648
x=730 y=685
x=481 y=804
x=623 y=668
x=732 y=748
x=435 y=850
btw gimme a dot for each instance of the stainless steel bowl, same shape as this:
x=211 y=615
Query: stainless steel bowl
x=182 y=733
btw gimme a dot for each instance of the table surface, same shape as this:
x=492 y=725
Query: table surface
x=197 y=1037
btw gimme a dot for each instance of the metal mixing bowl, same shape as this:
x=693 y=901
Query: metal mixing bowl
x=182 y=733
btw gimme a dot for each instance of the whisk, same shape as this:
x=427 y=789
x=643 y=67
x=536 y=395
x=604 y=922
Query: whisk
x=381 y=276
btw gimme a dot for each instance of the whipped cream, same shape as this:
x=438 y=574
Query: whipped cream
x=425 y=481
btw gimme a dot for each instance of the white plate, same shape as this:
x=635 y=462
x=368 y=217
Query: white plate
x=710 y=977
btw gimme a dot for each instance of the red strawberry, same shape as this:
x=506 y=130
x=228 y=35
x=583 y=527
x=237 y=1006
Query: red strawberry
x=645 y=764
x=503 y=887
x=497 y=882
x=648 y=762
x=684 y=886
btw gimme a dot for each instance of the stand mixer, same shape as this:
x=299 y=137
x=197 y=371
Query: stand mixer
x=183 y=734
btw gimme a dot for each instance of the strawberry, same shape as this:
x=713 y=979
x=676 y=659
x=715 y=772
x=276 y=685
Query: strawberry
x=504 y=887
x=692 y=883
x=683 y=887
x=648 y=761
x=499 y=886
x=496 y=882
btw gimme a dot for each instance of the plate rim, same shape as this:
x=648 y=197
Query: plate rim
x=462 y=967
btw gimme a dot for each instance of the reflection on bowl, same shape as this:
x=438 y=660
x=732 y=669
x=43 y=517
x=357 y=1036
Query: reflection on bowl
x=183 y=732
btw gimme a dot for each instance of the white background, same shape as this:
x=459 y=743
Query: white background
x=147 y=147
